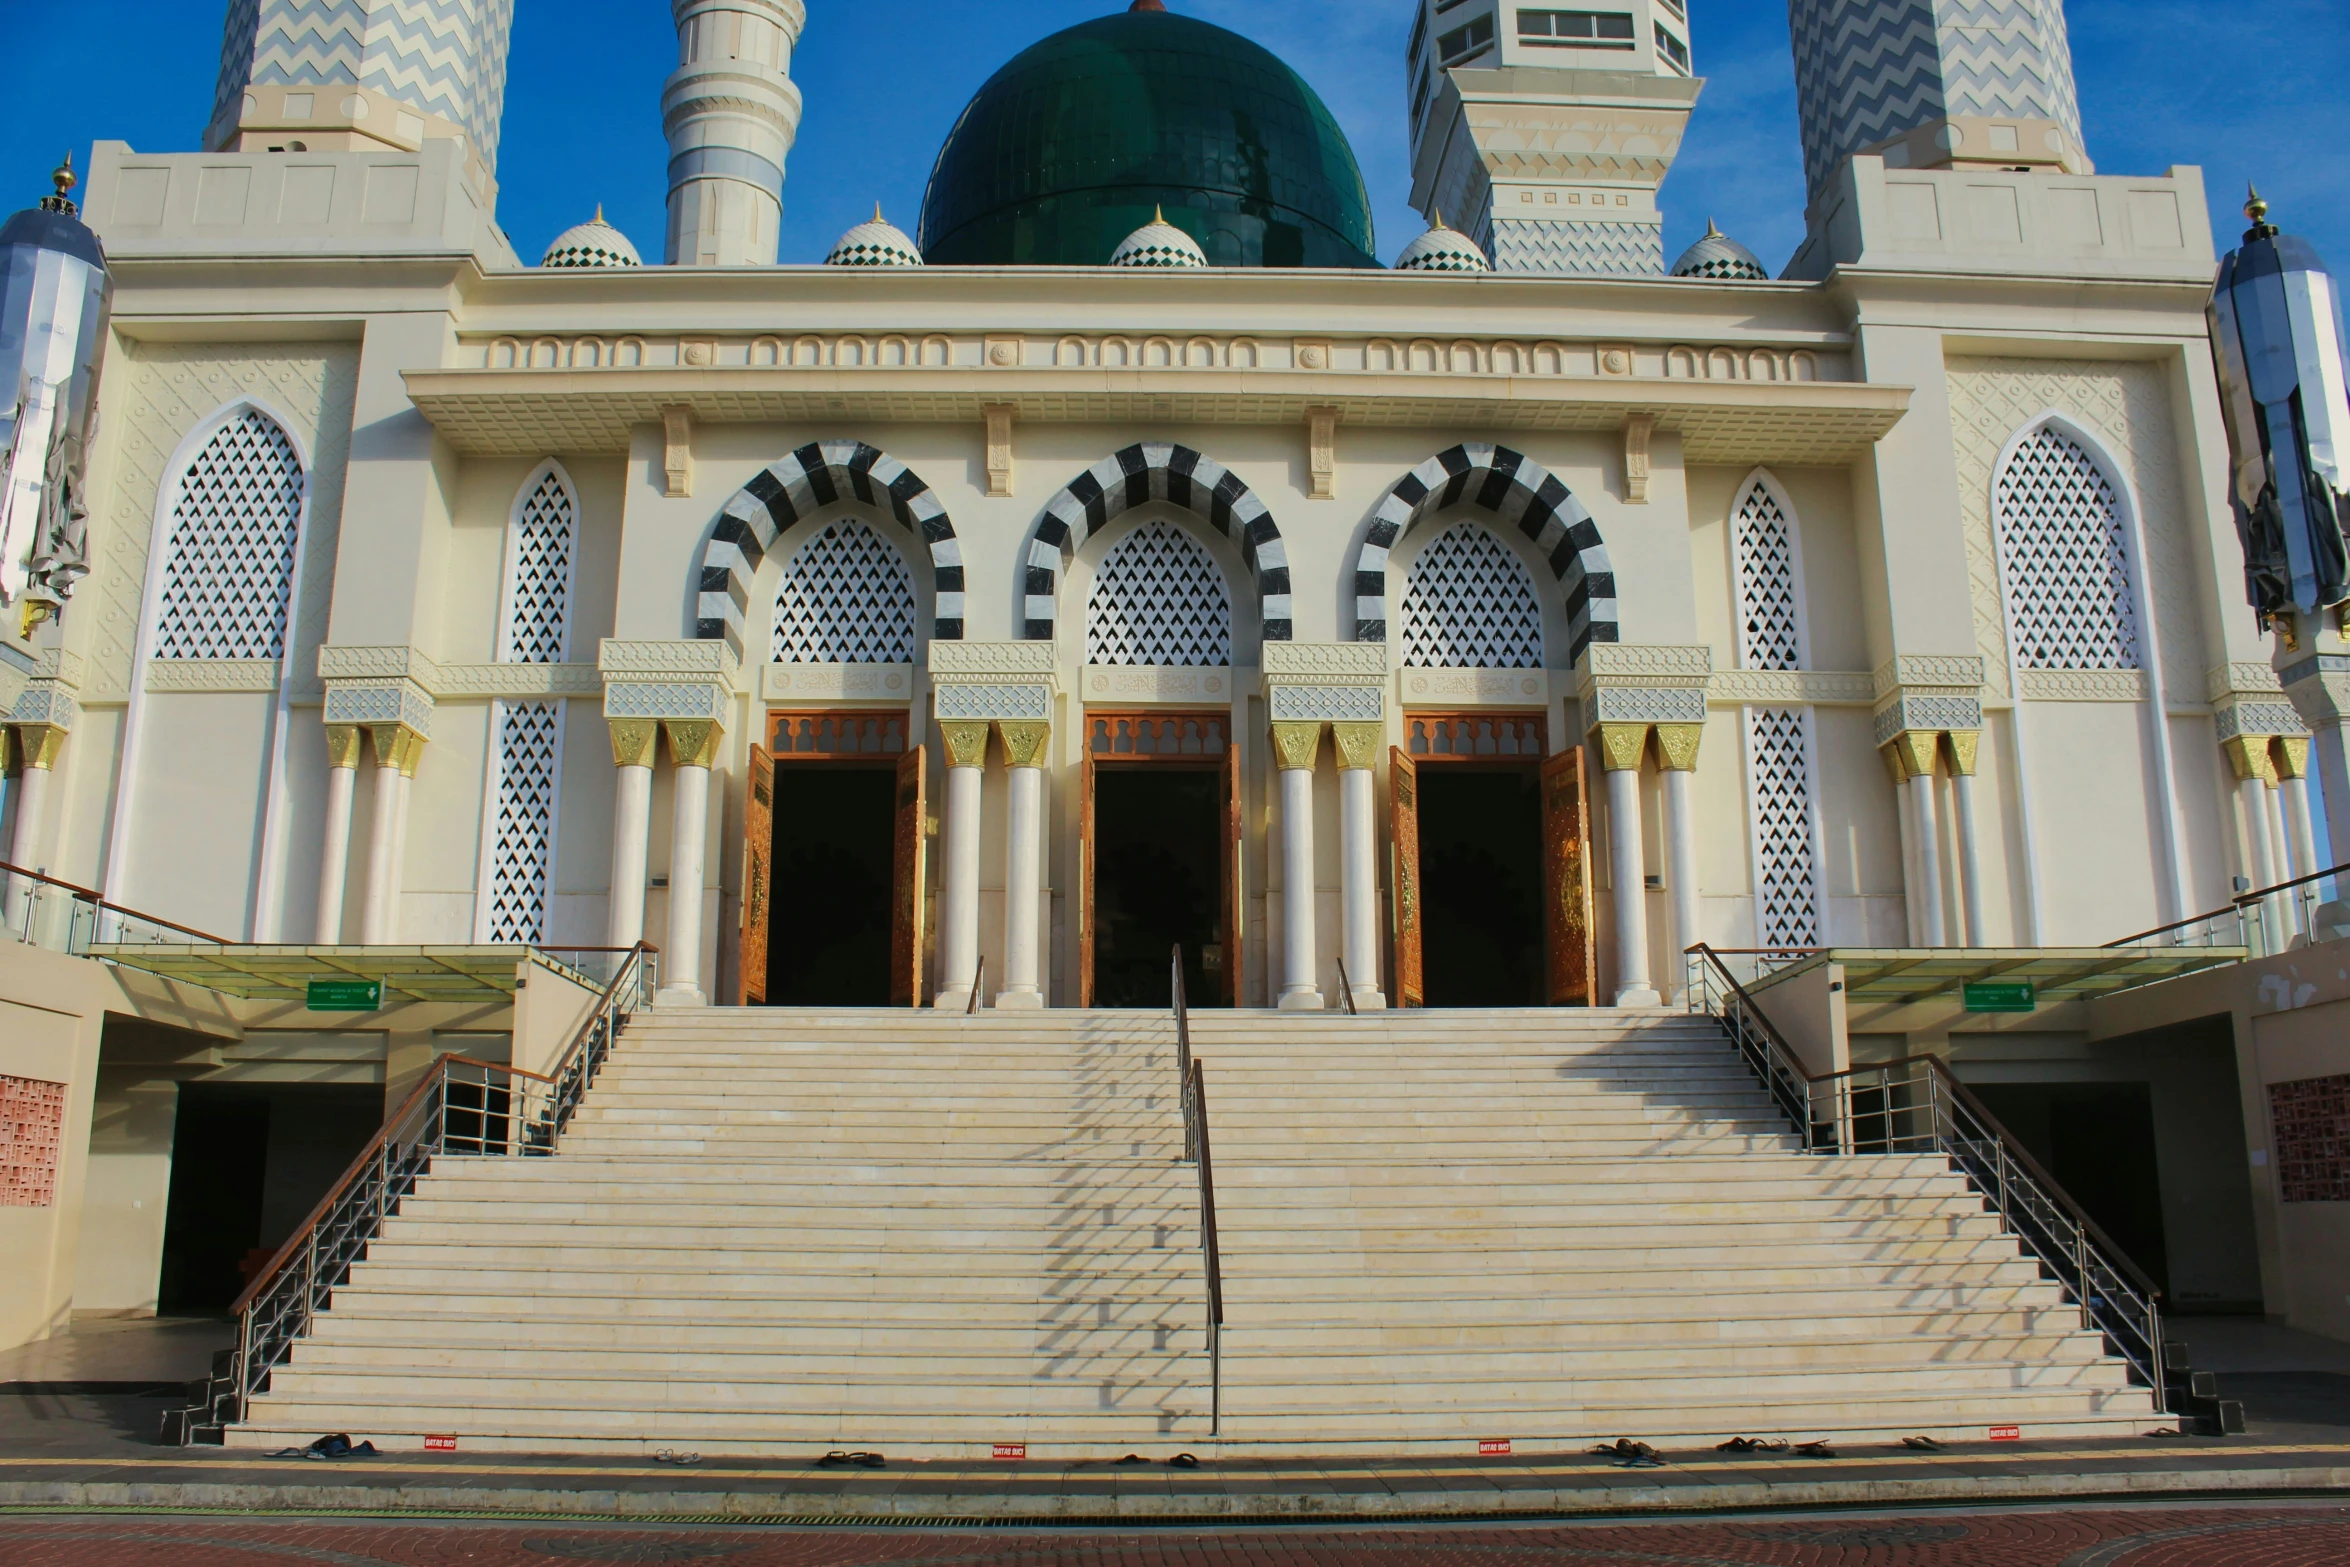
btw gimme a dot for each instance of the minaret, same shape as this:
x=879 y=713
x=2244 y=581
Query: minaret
x=1936 y=84
x=731 y=114
x=1543 y=134
x=364 y=76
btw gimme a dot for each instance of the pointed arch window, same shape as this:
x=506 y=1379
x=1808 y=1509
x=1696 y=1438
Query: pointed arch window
x=1159 y=598
x=1780 y=744
x=236 y=525
x=846 y=598
x=2064 y=558
x=1469 y=603
x=524 y=798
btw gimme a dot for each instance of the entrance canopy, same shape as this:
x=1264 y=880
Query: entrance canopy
x=459 y=974
x=1887 y=980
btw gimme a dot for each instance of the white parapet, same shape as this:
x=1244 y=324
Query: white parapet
x=731 y=114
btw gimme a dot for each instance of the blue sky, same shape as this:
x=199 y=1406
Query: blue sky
x=2245 y=91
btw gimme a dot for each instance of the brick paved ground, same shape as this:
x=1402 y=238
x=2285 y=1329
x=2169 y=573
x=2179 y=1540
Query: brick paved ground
x=2274 y=1535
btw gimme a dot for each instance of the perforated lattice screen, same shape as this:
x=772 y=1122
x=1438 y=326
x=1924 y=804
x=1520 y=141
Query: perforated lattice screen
x=847 y=598
x=1786 y=854
x=522 y=857
x=1469 y=604
x=546 y=531
x=1159 y=599
x=32 y=1122
x=2066 y=559
x=229 y=576
x=1770 y=623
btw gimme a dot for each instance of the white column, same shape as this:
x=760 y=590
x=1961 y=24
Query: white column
x=1622 y=747
x=343 y=743
x=636 y=744
x=1677 y=745
x=41 y=743
x=1914 y=922
x=2331 y=744
x=1929 y=834
x=693 y=747
x=1970 y=855
x=2292 y=759
x=1358 y=848
x=397 y=751
x=958 y=914
x=1297 y=747
x=1025 y=744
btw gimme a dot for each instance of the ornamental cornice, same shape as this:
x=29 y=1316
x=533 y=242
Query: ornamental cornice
x=1000 y=702
x=45 y=702
x=519 y=680
x=1945 y=671
x=340 y=666
x=1325 y=664
x=1643 y=704
x=1677 y=677
x=1926 y=712
x=963 y=662
x=1326 y=703
x=713 y=658
x=2253 y=716
x=2242 y=678
x=212 y=674
x=377 y=663
x=2085 y=685
x=1792 y=688
x=376 y=703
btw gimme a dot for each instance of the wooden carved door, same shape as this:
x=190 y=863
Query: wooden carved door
x=1085 y=870
x=758 y=879
x=1569 y=932
x=907 y=907
x=1403 y=804
x=1235 y=905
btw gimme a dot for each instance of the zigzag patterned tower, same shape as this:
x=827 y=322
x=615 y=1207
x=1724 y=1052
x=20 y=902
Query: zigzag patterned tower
x=1936 y=84
x=364 y=76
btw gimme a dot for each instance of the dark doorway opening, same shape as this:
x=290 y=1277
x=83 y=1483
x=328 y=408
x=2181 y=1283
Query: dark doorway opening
x=1157 y=883
x=834 y=878
x=1481 y=886
x=2097 y=1139
x=248 y=1164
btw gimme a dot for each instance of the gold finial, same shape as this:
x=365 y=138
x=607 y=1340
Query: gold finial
x=2255 y=208
x=877 y=212
x=1712 y=232
x=599 y=212
x=1159 y=213
x=63 y=177
x=1436 y=221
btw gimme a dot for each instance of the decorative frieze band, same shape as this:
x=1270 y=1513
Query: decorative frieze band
x=1475 y=687
x=1791 y=688
x=1927 y=712
x=999 y=681
x=1000 y=703
x=2084 y=685
x=1906 y=670
x=837 y=682
x=1148 y=684
x=1326 y=663
x=682 y=682
x=375 y=702
x=1640 y=684
x=1326 y=704
x=1644 y=705
x=212 y=674
x=370 y=665
x=45 y=703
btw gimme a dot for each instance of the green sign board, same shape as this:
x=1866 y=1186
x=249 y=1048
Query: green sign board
x=346 y=995
x=2001 y=996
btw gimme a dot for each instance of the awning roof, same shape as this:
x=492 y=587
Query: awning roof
x=1917 y=976
x=455 y=974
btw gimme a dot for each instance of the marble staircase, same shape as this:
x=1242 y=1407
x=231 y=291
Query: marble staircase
x=778 y=1232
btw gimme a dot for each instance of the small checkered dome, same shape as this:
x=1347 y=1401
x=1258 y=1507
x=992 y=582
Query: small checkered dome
x=594 y=243
x=1442 y=249
x=1717 y=255
x=1159 y=243
x=879 y=243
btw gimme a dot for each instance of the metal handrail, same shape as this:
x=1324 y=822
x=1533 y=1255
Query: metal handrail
x=98 y=901
x=978 y=984
x=1194 y=1086
x=1918 y=1105
x=1347 y=987
x=2236 y=906
x=462 y=1107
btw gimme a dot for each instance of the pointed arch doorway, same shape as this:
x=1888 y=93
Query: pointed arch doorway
x=1161 y=847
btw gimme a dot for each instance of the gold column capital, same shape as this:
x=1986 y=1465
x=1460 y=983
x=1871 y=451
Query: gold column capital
x=1358 y=745
x=694 y=742
x=39 y=745
x=1677 y=744
x=1622 y=746
x=2291 y=756
x=1025 y=740
x=1965 y=747
x=397 y=746
x=1915 y=753
x=7 y=746
x=343 y=744
x=1297 y=746
x=636 y=742
x=966 y=742
x=2249 y=756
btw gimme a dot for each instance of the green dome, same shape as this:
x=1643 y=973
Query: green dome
x=1076 y=143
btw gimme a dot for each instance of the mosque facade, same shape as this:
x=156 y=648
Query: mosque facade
x=1138 y=556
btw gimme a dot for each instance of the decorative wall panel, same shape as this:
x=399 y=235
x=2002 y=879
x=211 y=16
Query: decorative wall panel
x=236 y=522
x=2064 y=555
x=847 y=598
x=1785 y=816
x=2312 y=1138
x=32 y=1127
x=1468 y=603
x=1159 y=598
x=540 y=550
x=529 y=739
x=1770 y=610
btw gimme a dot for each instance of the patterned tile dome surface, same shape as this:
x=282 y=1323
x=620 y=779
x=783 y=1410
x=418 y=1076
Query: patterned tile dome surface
x=1070 y=147
x=594 y=243
x=879 y=243
x=1717 y=255
x=1159 y=243
x=1442 y=249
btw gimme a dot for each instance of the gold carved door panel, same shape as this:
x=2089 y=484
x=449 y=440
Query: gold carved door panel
x=1569 y=932
x=1403 y=804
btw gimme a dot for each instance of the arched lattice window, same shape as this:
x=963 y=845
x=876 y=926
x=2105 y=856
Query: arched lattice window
x=1159 y=599
x=526 y=737
x=1779 y=745
x=2064 y=555
x=540 y=545
x=847 y=598
x=1469 y=604
x=236 y=525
